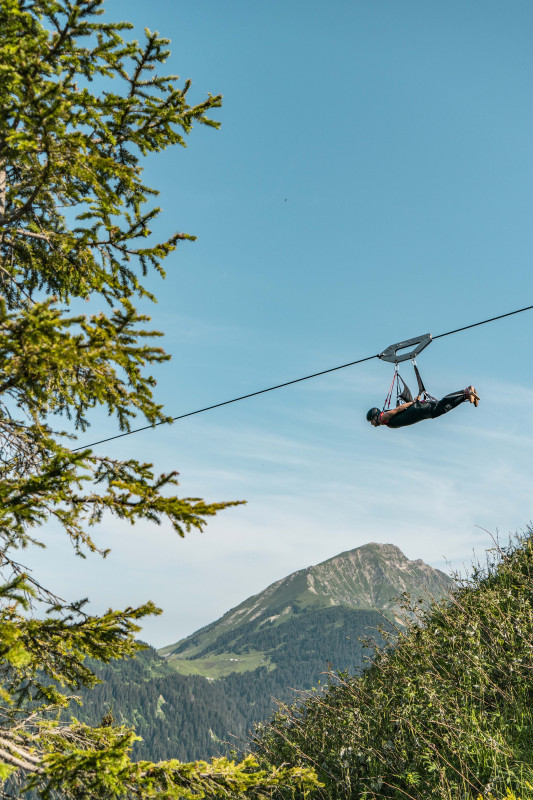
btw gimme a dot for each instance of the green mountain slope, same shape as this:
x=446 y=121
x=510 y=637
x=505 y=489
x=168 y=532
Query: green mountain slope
x=368 y=578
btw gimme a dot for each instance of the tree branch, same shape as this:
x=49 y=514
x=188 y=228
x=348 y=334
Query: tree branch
x=18 y=762
x=23 y=752
x=33 y=235
x=12 y=279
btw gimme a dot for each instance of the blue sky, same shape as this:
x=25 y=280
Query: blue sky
x=372 y=181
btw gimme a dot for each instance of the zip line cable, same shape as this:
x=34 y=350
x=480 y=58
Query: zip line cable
x=484 y=322
x=227 y=402
x=290 y=383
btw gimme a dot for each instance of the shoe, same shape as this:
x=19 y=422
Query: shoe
x=473 y=395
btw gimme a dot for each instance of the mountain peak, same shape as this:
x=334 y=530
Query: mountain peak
x=373 y=576
x=387 y=551
x=369 y=577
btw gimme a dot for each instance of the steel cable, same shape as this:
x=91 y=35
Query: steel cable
x=290 y=383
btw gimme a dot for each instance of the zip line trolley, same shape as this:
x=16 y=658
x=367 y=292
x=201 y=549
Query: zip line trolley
x=394 y=355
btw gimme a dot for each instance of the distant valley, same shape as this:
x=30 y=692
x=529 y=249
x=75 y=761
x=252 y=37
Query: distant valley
x=200 y=696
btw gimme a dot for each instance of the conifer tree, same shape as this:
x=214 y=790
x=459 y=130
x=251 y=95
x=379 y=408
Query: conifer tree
x=80 y=107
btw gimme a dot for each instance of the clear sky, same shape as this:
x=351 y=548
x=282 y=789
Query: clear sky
x=372 y=181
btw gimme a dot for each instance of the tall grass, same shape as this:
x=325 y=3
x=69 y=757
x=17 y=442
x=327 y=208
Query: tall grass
x=444 y=711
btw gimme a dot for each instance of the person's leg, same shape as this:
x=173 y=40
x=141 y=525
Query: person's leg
x=450 y=401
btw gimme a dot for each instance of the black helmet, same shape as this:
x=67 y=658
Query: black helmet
x=373 y=414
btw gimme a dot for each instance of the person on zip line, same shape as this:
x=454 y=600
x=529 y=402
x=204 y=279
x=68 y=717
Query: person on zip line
x=423 y=407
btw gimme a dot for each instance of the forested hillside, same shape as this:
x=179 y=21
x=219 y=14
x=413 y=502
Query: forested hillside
x=190 y=717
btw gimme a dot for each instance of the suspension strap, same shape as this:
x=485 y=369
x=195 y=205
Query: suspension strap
x=398 y=387
x=421 y=387
x=403 y=394
x=389 y=396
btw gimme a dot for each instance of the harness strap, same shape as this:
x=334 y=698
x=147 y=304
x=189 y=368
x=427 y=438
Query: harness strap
x=389 y=396
x=425 y=395
x=421 y=387
x=405 y=393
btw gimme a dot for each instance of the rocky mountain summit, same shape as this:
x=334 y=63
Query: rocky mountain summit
x=374 y=576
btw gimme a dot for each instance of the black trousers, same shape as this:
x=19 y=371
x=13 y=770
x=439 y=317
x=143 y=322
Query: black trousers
x=427 y=409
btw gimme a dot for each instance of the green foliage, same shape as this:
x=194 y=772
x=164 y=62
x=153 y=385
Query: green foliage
x=445 y=713
x=509 y=795
x=80 y=107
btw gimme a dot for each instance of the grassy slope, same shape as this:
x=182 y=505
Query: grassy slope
x=219 y=665
x=447 y=713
